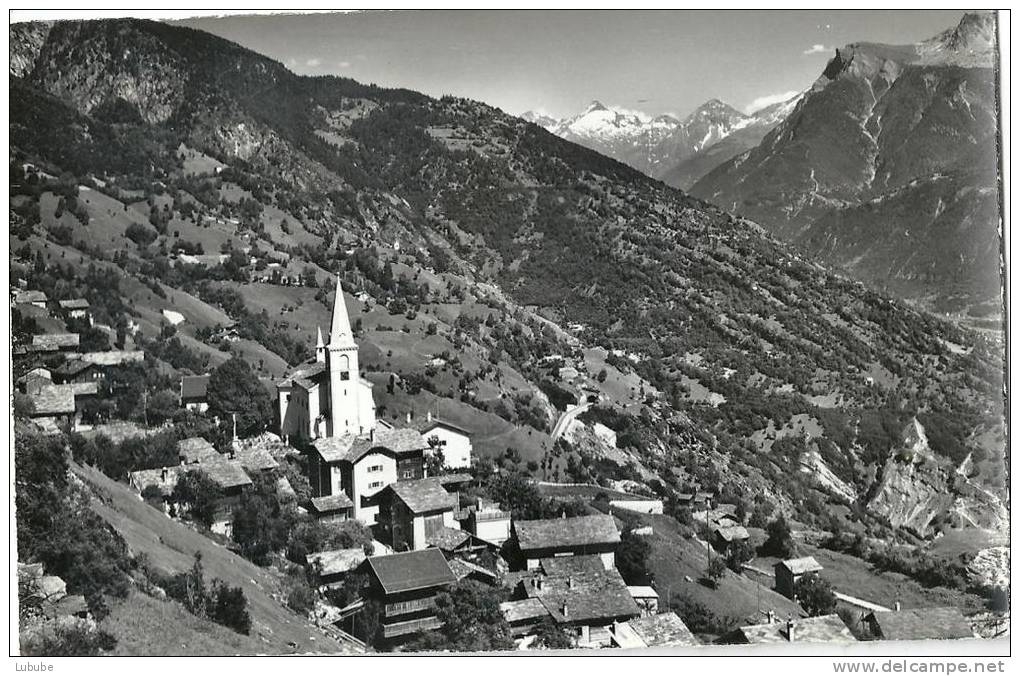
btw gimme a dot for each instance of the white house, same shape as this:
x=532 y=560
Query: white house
x=453 y=441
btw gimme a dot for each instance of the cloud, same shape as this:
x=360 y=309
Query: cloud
x=344 y=64
x=817 y=49
x=765 y=101
x=313 y=63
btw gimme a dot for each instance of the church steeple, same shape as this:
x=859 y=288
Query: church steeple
x=320 y=346
x=340 y=333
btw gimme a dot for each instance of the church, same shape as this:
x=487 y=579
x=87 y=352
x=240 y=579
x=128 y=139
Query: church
x=329 y=404
x=328 y=398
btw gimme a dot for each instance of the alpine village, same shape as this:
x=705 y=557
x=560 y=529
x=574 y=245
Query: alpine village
x=304 y=365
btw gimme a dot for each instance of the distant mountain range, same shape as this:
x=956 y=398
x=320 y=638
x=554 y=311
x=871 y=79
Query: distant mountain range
x=676 y=151
x=887 y=168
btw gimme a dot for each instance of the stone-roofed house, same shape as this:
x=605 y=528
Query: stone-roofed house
x=665 y=630
x=77 y=371
x=724 y=536
x=571 y=565
x=34 y=379
x=254 y=459
x=108 y=358
x=790 y=571
x=523 y=615
x=76 y=308
x=331 y=508
x=407 y=585
x=55 y=342
x=332 y=566
x=585 y=604
x=193 y=393
x=538 y=539
x=52 y=407
x=822 y=629
x=413 y=512
x=32 y=297
x=194 y=450
x=646 y=597
x=361 y=467
x=919 y=624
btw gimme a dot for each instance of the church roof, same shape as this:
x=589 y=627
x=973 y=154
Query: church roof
x=305 y=376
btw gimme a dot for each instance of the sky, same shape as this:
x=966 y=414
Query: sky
x=557 y=62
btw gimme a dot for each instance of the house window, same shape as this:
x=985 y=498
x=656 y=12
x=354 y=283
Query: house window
x=408 y=474
x=375 y=468
x=375 y=484
x=345 y=375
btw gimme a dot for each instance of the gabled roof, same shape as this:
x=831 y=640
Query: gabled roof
x=52 y=400
x=254 y=459
x=74 y=304
x=54 y=341
x=351 y=448
x=424 y=495
x=329 y=504
x=84 y=389
x=922 y=624
x=408 y=571
x=583 y=597
x=523 y=610
x=73 y=367
x=32 y=296
x=731 y=533
x=572 y=565
x=805 y=564
x=225 y=473
x=447 y=538
x=155 y=477
x=306 y=376
x=823 y=629
x=665 y=629
x=196 y=449
x=577 y=531
x=462 y=569
x=114 y=357
x=438 y=422
x=455 y=478
x=194 y=387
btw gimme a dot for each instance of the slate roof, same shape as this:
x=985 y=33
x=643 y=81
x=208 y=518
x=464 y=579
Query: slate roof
x=566 y=565
x=114 y=357
x=642 y=592
x=337 y=561
x=196 y=449
x=456 y=478
x=351 y=448
x=424 y=495
x=408 y=571
x=329 y=504
x=225 y=473
x=54 y=341
x=731 y=533
x=32 y=296
x=53 y=400
x=154 y=477
x=577 y=531
x=254 y=459
x=805 y=564
x=447 y=538
x=305 y=376
x=74 y=304
x=194 y=387
x=522 y=611
x=823 y=629
x=922 y=624
x=84 y=389
x=462 y=569
x=586 y=597
x=73 y=367
x=665 y=629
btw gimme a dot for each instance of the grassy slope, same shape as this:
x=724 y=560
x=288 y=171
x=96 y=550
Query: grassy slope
x=171 y=546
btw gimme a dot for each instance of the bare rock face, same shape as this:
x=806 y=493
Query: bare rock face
x=922 y=492
x=26 y=41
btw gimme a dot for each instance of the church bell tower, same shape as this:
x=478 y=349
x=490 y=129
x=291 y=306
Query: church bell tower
x=342 y=360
